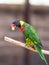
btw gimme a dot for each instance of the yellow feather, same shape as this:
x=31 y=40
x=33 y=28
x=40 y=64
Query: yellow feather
x=29 y=42
x=21 y=22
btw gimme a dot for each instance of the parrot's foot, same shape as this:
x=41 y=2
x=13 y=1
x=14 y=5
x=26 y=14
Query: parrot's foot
x=33 y=47
x=30 y=46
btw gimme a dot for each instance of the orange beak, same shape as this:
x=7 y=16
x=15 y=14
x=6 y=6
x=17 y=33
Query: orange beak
x=13 y=26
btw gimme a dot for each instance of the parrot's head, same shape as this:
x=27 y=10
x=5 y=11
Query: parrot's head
x=17 y=23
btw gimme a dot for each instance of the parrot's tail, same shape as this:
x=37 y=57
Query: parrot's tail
x=40 y=53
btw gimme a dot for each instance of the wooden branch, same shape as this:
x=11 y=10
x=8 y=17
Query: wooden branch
x=15 y=42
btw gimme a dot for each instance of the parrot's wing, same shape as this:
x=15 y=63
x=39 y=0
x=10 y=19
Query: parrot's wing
x=31 y=33
x=34 y=36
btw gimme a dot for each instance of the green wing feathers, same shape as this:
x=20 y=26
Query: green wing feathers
x=40 y=53
x=33 y=40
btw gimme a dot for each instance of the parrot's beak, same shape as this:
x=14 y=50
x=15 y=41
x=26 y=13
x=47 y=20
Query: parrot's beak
x=13 y=26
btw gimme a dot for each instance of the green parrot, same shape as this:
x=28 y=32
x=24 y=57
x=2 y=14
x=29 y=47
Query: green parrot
x=32 y=38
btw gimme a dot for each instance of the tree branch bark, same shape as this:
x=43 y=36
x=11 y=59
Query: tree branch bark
x=15 y=42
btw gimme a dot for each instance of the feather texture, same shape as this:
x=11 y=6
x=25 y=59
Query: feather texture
x=32 y=40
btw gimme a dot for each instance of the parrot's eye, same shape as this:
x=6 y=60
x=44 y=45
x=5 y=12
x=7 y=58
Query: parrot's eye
x=13 y=26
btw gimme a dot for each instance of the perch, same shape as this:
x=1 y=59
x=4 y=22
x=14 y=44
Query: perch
x=15 y=42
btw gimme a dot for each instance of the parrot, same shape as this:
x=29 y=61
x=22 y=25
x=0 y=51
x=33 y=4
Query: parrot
x=31 y=36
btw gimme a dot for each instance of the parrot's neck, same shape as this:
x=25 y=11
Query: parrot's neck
x=22 y=28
